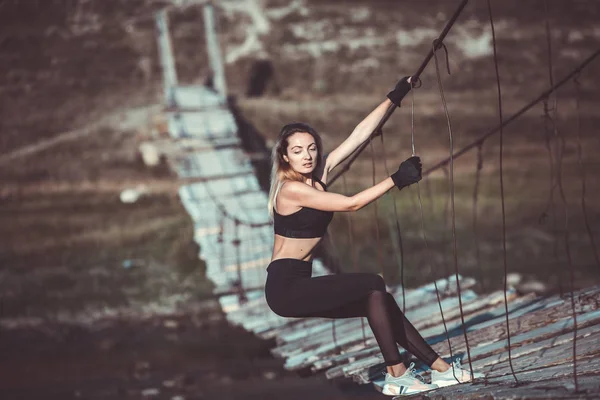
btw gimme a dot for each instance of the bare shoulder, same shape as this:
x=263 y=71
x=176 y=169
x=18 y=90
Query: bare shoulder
x=294 y=187
x=295 y=191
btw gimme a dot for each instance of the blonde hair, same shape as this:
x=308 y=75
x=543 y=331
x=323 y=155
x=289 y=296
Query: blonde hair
x=281 y=171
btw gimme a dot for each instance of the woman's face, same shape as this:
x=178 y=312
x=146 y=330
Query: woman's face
x=302 y=152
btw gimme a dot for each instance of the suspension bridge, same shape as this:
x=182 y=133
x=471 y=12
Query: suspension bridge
x=527 y=346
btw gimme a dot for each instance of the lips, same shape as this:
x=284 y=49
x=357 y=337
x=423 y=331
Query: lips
x=307 y=165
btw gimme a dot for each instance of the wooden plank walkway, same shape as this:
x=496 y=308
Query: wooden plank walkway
x=229 y=211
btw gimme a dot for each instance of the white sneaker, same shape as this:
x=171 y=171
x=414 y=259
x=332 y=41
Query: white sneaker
x=455 y=374
x=408 y=383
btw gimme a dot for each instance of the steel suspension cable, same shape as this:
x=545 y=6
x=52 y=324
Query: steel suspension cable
x=236 y=243
x=415 y=78
x=554 y=162
x=446 y=211
x=397 y=223
x=353 y=253
x=455 y=251
x=504 y=254
x=507 y=121
x=559 y=156
x=475 y=216
x=424 y=236
x=375 y=210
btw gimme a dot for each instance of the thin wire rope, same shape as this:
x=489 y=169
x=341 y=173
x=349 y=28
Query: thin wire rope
x=445 y=212
x=551 y=157
x=443 y=98
x=475 y=216
x=509 y=120
x=236 y=243
x=571 y=277
x=424 y=236
x=416 y=76
x=353 y=253
x=582 y=171
x=412 y=122
x=398 y=231
x=376 y=212
x=504 y=253
x=561 y=144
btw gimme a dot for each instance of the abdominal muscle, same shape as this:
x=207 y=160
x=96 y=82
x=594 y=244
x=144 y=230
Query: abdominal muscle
x=299 y=249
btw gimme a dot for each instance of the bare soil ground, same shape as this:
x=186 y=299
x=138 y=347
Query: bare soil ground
x=88 y=284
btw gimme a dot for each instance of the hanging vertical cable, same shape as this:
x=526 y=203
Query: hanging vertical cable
x=462 y=316
x=236 y=242
x=424 y=236
x=353 y=253
x=376 y=212
x=397 y=223
x=553 y=159
x=560 y=148
x=582 y=171
x=475 y=216
x=502 y=190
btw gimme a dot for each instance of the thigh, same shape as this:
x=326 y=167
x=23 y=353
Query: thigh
x=351 y=309
x=329 y=296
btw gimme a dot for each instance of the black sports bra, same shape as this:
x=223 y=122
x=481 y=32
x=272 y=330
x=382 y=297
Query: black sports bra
x=305 y=223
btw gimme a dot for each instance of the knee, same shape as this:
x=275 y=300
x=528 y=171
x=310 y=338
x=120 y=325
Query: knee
x=281 y=310
x=377 y=283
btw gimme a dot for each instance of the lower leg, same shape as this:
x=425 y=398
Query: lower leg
x=408 y=337
x=381 y=322
x=396 y=370
x=440 y=365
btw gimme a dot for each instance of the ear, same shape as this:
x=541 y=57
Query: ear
x=286 y=159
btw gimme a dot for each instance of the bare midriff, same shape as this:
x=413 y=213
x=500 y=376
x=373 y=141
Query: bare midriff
x=299 y=249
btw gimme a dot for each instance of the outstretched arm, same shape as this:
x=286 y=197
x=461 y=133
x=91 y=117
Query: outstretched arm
x=300 y=194
x=303 y=195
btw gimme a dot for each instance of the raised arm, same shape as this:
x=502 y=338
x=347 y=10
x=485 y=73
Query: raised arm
x=359 y=135
x=365 y=128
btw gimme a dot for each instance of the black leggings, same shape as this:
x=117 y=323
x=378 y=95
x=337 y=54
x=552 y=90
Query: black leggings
x=292 y=292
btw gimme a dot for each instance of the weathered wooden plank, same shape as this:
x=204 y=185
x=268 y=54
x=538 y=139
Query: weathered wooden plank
x=519 y=323
x=227 y=161
x=196 y=97
x=216 y=125
x=536 y=334
x=543 y=353
x=533 y=340
x=545 y=360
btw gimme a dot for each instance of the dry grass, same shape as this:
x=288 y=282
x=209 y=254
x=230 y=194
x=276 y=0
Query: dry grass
x=66 y=240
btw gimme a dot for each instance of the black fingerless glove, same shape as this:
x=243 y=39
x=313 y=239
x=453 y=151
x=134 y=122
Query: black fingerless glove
x=401 y=89
x=408 y=173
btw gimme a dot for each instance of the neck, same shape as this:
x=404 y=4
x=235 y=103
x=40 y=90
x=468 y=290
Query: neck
x=309 y=177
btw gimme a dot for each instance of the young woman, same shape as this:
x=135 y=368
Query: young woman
x=301 y=209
